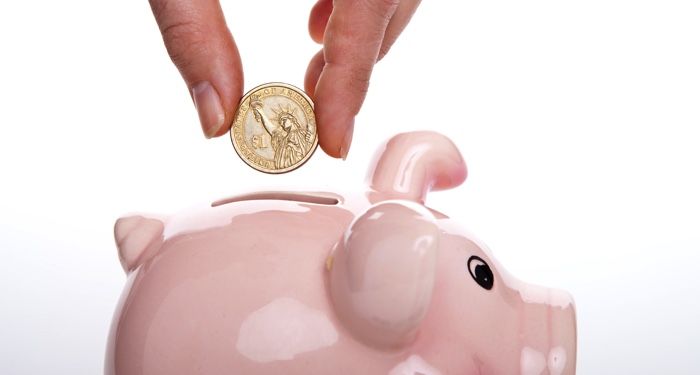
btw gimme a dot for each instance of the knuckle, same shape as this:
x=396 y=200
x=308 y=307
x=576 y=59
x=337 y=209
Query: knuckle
x=182 y=35
x=358 y=78
x=183 y=39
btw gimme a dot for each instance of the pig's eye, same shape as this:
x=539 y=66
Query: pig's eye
x=480 y=271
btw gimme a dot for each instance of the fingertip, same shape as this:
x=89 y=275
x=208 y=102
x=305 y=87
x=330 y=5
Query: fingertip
x=331 y=146
x=235 y=93
x=209 y=107
x=347 y=140
x=339 y=94
x=313 y=72
x=335 y=131
x=227 y=77
x=318 y=19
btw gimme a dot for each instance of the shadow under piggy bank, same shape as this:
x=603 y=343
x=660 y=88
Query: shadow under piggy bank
x=321 y=283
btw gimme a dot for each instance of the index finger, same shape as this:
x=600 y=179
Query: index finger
x=351 y=46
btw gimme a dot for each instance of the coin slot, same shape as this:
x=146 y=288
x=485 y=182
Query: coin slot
x=280 y=196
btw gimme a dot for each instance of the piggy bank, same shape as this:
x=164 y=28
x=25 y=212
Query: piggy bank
x=372 y=282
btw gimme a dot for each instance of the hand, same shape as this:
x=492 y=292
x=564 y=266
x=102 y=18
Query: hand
x=355 y=35
x=201 y=46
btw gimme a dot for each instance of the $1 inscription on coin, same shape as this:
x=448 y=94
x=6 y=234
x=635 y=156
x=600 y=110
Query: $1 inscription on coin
x=274 y=129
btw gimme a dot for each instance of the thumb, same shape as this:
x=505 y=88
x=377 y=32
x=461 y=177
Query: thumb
x=202 y=48
x=352 y=42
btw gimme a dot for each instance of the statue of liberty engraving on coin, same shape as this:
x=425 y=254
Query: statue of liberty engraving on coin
x=274 y=129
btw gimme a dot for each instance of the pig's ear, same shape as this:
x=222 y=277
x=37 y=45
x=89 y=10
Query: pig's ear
x=411 y=164
x=382 y=273
x=138 y=239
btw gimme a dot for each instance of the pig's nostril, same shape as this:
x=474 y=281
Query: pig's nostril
x=480 y=271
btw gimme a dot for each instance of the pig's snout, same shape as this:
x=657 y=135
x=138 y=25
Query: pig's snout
x=547 y=332
x=382 y=273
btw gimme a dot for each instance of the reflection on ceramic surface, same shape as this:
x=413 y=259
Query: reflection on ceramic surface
x=533 y=362
x=414 y=365
x=282 y=329
x=316 y=282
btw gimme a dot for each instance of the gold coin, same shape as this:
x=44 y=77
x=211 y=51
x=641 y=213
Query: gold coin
x=274 y=129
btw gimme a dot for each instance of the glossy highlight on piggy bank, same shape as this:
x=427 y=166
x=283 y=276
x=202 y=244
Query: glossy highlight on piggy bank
x=372 y=282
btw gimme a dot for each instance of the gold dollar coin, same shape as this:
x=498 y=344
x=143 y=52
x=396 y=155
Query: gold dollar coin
x=274 y=129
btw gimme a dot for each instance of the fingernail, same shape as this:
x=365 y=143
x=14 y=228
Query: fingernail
x=208 y=104
x=345 y=146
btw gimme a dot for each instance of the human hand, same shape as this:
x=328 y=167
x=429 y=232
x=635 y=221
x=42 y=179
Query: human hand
x=202 y=48
x=355 y=35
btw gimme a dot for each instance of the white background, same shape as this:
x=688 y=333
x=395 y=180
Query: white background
x=578 y=120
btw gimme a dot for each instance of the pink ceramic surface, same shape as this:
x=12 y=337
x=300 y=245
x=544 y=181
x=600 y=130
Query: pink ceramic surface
x=320 y=283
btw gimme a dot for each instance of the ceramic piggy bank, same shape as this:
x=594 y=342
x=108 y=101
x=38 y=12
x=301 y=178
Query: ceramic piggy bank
x=321 y=283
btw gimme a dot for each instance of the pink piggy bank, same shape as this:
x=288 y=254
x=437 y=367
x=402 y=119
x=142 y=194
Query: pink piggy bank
x=320 y=283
